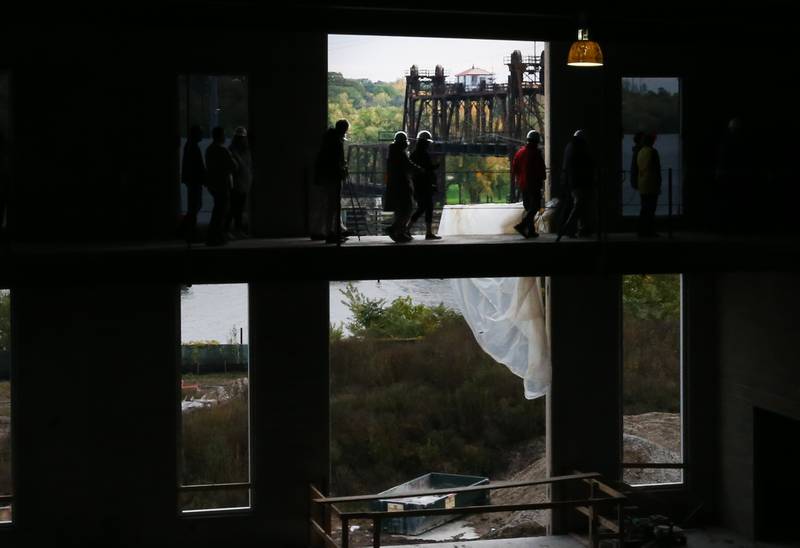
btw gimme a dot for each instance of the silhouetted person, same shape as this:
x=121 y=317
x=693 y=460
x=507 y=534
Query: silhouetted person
x=242 y=180
x=648 y=164
x=529 y=173
x=399 y=170
x=424 y=183
x=193 y=175
x=577 y=172
x=331 y=171
x=634 y=168
x=734 y=175
x=220 y=168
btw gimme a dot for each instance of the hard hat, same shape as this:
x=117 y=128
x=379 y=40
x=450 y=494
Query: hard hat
x=240 y=132
x=533 y=135
x=424 y=135
x=580 y=133
x=400 y=136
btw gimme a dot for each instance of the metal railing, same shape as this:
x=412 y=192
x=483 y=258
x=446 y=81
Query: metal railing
x=604 y=183
x=324 y=509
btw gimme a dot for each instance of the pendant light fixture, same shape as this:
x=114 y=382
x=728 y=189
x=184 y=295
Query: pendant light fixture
x=585 y=52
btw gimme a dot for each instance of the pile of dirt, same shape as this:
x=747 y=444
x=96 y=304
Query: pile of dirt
x=527 y=463
x=652 y=437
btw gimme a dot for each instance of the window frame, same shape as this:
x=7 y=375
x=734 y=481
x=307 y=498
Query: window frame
x=683 y=465
x=681 y=205
x=180 y=488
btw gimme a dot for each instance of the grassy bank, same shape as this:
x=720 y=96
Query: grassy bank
x=437 y=403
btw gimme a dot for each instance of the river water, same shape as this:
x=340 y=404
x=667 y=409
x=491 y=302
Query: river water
x=218 y=312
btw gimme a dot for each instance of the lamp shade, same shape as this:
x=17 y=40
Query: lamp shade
x=585 y=52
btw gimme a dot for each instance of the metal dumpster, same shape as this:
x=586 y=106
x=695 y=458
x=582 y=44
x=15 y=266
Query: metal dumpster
x=419 y=524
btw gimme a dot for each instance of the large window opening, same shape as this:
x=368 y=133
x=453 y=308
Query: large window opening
x=652 y=106
x=652 y=359
x=214 y=468
x=6 y=487
x=208 y=101
x=477 y=98
x=416 y=397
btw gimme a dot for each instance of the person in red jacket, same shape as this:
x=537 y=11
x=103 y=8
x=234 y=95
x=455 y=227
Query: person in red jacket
x=529 y=172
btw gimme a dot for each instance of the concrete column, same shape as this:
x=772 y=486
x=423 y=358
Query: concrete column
x=95 y=414
x=584 y=417
x=288 y=112
x=289 y=338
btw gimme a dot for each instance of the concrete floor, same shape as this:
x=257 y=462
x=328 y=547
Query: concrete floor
x=723 y=538
x=560 y=541
x=697 y=538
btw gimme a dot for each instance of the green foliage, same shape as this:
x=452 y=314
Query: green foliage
x=652 y=296
x=202 y=342
x=215 y=450
x=335 y=332
x=647 y=110
x=412 y=392
x=400 y=409
x=651 y=343
x=400 y=320
x=485 y=179
x=371 y=107
x=5 y=320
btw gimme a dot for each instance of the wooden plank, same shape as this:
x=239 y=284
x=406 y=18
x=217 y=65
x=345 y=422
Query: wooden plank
x=484 y=487
x=608 y=490
x=315 y=528
x=605 y=522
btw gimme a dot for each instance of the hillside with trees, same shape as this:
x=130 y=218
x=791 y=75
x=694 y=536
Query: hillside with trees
x=371 y=107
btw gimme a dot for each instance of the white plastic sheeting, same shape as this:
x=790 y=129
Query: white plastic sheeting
x=506 y=315
x=480 y=219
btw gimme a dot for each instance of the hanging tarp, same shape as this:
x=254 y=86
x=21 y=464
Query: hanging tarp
x=506 y=315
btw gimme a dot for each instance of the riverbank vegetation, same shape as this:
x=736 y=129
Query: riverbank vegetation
x=412 y=392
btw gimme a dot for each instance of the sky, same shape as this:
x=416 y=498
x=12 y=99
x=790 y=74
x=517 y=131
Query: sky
x=387 y=58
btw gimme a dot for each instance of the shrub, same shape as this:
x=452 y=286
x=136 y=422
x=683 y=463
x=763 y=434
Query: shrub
x=438 y=403
x=215 y=450
x=402 y=319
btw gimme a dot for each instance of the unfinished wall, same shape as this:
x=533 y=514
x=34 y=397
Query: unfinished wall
x=758 y=317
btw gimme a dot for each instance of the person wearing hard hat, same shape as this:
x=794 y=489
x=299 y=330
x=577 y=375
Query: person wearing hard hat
x=424 y=183
x=529 y=173
x=398 y=199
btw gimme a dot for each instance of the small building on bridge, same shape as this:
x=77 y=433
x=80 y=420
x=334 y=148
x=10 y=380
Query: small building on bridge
x=475 y=78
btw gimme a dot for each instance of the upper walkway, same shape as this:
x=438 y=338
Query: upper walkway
x=377 y=257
